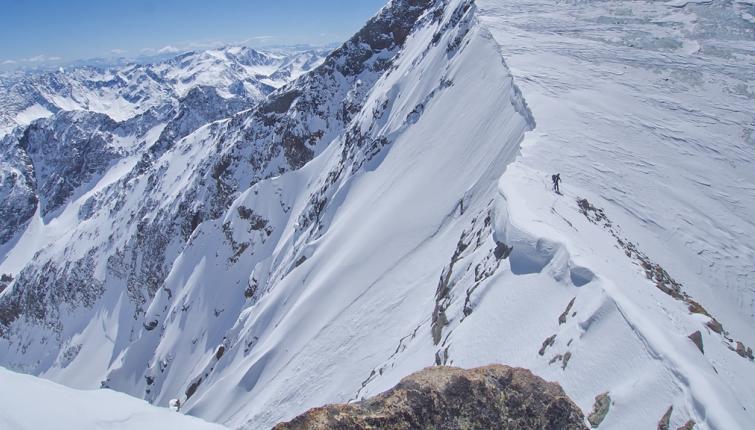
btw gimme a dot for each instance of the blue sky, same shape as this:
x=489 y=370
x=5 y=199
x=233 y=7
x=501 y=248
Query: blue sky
x=34 y=32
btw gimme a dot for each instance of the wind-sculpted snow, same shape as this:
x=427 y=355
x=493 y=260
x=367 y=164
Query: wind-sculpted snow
x=391 y=210
x=646 y=108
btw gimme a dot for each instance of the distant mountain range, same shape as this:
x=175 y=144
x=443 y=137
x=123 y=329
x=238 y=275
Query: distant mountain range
x=123 y=90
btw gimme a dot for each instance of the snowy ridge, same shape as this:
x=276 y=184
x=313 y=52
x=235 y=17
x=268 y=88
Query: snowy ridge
x=391 y=210
x=36 y=404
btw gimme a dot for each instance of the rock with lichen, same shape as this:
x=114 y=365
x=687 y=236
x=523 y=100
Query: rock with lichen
x=599 y=410
x=492 y=397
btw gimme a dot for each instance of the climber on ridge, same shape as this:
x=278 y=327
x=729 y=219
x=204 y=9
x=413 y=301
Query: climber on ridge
x=556 y=181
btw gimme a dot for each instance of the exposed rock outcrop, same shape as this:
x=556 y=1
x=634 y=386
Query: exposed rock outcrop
x=697 y=339
x=18 y=186
x=599 y=410
x=664 y=423
x=495 y=397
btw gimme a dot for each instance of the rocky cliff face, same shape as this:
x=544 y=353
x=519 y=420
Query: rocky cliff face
x=18 y=197
x=492 y=397
x=67 y=151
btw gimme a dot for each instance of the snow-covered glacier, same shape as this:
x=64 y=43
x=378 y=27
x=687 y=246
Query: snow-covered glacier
x=392 y=209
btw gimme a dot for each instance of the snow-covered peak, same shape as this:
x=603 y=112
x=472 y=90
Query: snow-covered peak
x=123 y=92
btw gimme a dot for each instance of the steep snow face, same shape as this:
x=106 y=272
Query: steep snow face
x=31 y=403
x=392 y=209
x=338 y=259
x=83 y=280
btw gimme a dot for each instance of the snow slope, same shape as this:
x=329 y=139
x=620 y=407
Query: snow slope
x=664 y=97
x=35 y=404
x=392 y=209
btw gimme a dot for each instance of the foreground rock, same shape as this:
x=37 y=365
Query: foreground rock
x=489 y=397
